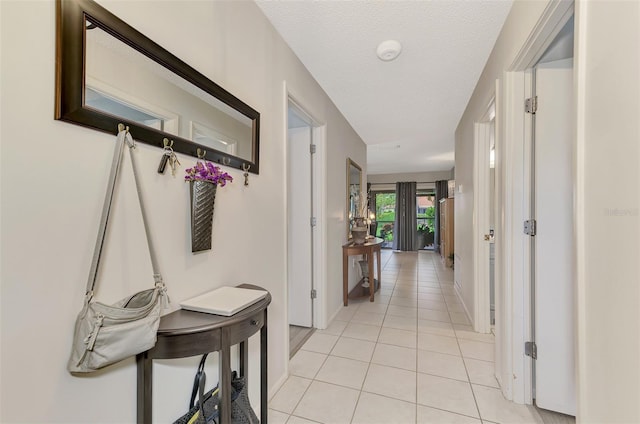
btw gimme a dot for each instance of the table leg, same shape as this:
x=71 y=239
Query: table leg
x=242 y=349
x=225 y=377
x=145 y=384
x=379 y=267
x=263 y=371
x=372 y=282
x=345 y=278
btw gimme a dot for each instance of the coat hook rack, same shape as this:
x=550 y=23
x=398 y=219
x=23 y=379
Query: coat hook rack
x=201 y=153
x=245 y=168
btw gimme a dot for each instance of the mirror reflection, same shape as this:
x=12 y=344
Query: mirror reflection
x=355 y=196
x=123 y=82
x=108 y=73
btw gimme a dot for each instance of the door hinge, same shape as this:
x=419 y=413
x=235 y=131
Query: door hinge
x=530 y=227
x=314 y=294
x=530 y=349
x=312 y=148
x=531 y=105
x=313 y=221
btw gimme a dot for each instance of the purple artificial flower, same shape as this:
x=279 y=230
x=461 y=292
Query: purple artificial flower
x=207 y=171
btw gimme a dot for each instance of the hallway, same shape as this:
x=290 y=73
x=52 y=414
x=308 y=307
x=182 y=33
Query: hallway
x=409 y=357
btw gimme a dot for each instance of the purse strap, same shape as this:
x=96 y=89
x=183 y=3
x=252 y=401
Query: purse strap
x=123 y=136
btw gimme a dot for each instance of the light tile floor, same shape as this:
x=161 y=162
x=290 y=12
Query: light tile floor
x=410 y=357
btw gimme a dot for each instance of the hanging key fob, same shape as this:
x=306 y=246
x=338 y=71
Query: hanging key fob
x=163 y=164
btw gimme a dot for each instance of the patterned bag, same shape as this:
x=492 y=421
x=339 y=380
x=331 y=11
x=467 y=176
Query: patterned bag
x=206 y=409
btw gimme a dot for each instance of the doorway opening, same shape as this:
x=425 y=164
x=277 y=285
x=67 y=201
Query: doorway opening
x=550 y=187
x=484 y=220
x=515 y=350
x=305 y=137
x=384 y=202
x=384 y=205
x=425 y=219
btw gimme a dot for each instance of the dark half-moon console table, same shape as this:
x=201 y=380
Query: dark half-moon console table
x=186 y=333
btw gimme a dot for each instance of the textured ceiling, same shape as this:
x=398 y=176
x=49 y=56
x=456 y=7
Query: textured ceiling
x=406 y=110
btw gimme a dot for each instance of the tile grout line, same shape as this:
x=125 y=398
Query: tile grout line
x=475 y=400
x=401 y=266
x=366 y=374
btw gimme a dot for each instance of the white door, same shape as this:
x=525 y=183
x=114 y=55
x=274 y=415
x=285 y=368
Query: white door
x=555 y=385
x=299 y=228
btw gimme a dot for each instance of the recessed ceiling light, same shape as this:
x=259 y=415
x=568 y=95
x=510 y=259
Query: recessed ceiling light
x=389 y=50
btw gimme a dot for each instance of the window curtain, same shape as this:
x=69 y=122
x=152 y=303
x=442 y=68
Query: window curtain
x=442 y=192
x=404 y=231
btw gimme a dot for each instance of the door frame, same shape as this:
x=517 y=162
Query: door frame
x=513 y=328
x=481 y=218
x=319 y=202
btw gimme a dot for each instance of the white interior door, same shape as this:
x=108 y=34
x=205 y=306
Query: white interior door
x=300 y=265
x=555 y=387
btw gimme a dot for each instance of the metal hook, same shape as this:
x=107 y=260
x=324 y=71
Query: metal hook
x=168 y=144
x=201 y=153
x=122 y=127
x=245 y=168
x=226 y=161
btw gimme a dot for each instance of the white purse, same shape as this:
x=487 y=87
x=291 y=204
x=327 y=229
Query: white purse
x=105 y=334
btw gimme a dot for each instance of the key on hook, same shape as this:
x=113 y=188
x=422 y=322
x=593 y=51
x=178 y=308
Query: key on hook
x=168 y=155
x=245 y=168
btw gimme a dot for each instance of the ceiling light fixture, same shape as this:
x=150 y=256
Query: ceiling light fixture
x=389 y=50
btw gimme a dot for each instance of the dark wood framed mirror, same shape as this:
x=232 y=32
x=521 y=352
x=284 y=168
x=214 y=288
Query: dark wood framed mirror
x=109 y=73
x=354 y=193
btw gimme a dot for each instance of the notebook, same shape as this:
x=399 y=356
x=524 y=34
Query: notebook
x=223 y=301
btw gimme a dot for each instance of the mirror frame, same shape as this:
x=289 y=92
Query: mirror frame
x=70 y=82
x=351 y=163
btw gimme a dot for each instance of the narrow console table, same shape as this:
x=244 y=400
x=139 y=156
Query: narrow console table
x=371 y=246
x=186 y=333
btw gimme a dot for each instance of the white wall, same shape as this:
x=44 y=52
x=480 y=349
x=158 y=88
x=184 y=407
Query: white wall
x=521 y=20
x=336 y=207
x=53 y=176
x=608 y=194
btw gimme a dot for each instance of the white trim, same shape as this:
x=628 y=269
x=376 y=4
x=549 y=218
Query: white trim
x=511 y=321
x=285 y=226
x=319 y=137
x=319 y=202
x=458 y=290
x=278 y=384
x=515 y=370
x=527 y=246
x=197 y=128
x=556 y=14
x=579 y=208
x=170 y=118
x=500 y=253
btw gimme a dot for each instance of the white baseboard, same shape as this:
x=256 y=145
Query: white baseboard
x=278 y=384
x=457 y=287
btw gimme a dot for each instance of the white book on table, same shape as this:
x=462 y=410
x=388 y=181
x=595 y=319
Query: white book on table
x=223 y=301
